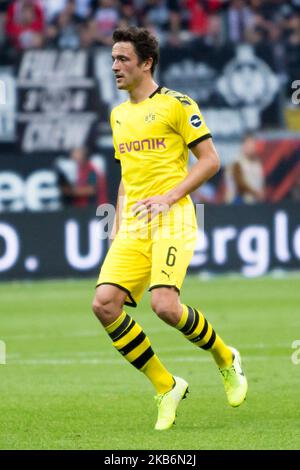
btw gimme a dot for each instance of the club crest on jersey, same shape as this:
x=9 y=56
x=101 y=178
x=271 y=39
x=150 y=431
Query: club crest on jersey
x=150 y=117
x=195 y=120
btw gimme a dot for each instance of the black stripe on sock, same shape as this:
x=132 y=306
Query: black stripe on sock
x=114 y=334
x=143 y=358
x=133 y=344
x=127 y=330
x=203 y=332
x=190 y=320
x=196 y=322
x=211 y=341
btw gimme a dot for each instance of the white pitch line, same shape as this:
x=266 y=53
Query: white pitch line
x=77 y=334
x=160 y=349
x=62 y=362
x=47 y=336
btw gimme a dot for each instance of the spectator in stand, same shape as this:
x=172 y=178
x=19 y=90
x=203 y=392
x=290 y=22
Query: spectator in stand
x=198 y=18
x=105 y=20
x=25 y=24
x=245 y=181
x=239 y=18
x=64 y=32
x=128 y=14
x=163 y=18
x=83 y=8
x=174 y=22
x=80 y=181
x=215 y=33
x=3 y=11
x=155 y=17
x=293 y=46
x=86 y=35
x=52 y=8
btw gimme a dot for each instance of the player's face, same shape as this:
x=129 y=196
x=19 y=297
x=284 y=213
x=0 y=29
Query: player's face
x=128 y=72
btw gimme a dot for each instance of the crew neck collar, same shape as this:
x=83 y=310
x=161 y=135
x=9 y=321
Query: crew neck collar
x=155 y=91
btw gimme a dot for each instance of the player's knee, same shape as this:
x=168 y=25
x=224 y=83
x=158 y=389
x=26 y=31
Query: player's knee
x=97 y=307
x=104 y=308
x=165 y=310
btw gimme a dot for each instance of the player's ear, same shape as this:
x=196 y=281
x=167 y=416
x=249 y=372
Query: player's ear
x=148 y=63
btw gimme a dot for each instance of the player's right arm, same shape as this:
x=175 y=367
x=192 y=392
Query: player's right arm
x=121 y=191
x=118 y=214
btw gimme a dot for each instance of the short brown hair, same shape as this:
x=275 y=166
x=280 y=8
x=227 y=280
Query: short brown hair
x=144 y=43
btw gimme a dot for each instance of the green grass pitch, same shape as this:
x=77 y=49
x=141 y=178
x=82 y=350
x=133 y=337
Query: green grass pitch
x=65 y=387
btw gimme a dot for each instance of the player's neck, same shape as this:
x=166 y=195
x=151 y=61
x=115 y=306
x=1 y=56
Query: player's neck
x=142 y=91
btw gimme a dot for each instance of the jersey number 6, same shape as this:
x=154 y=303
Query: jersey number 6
x=171 y=258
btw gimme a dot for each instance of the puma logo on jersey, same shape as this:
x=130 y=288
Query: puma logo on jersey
x=164 y=272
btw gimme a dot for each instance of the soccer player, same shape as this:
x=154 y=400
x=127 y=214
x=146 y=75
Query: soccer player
x=155 y=236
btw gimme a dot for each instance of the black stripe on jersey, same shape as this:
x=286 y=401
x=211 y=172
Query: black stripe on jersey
x=189 y=322
x=197 y=141
x=203 y=332
x=133 y=344
x=210 y=342
x=141 y=361
x=155 y=91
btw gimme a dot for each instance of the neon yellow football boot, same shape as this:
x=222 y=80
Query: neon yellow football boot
x=167 y=404
x=234 y=379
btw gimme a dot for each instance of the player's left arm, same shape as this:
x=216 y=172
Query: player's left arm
x=207 y=166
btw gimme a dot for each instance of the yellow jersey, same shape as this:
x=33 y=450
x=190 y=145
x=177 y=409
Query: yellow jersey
x=151 y=141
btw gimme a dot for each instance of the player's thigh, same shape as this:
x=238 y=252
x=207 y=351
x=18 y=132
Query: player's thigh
x=128 y=267
x=170 y=259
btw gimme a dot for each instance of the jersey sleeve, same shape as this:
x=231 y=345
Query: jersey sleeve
x=112 y=123
x=188 y=121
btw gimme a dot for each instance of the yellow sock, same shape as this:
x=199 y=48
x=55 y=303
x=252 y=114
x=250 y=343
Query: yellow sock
x=130 y=340
x=199 y=331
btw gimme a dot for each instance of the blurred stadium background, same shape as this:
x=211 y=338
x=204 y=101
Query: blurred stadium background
x=240 y=60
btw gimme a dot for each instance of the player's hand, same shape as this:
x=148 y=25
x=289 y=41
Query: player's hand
x=152 y=206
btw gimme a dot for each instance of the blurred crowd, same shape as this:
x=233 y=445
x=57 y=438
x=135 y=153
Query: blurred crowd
x=85 y=23
x=73 y=24
x=242 y=182
x=249 y=178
